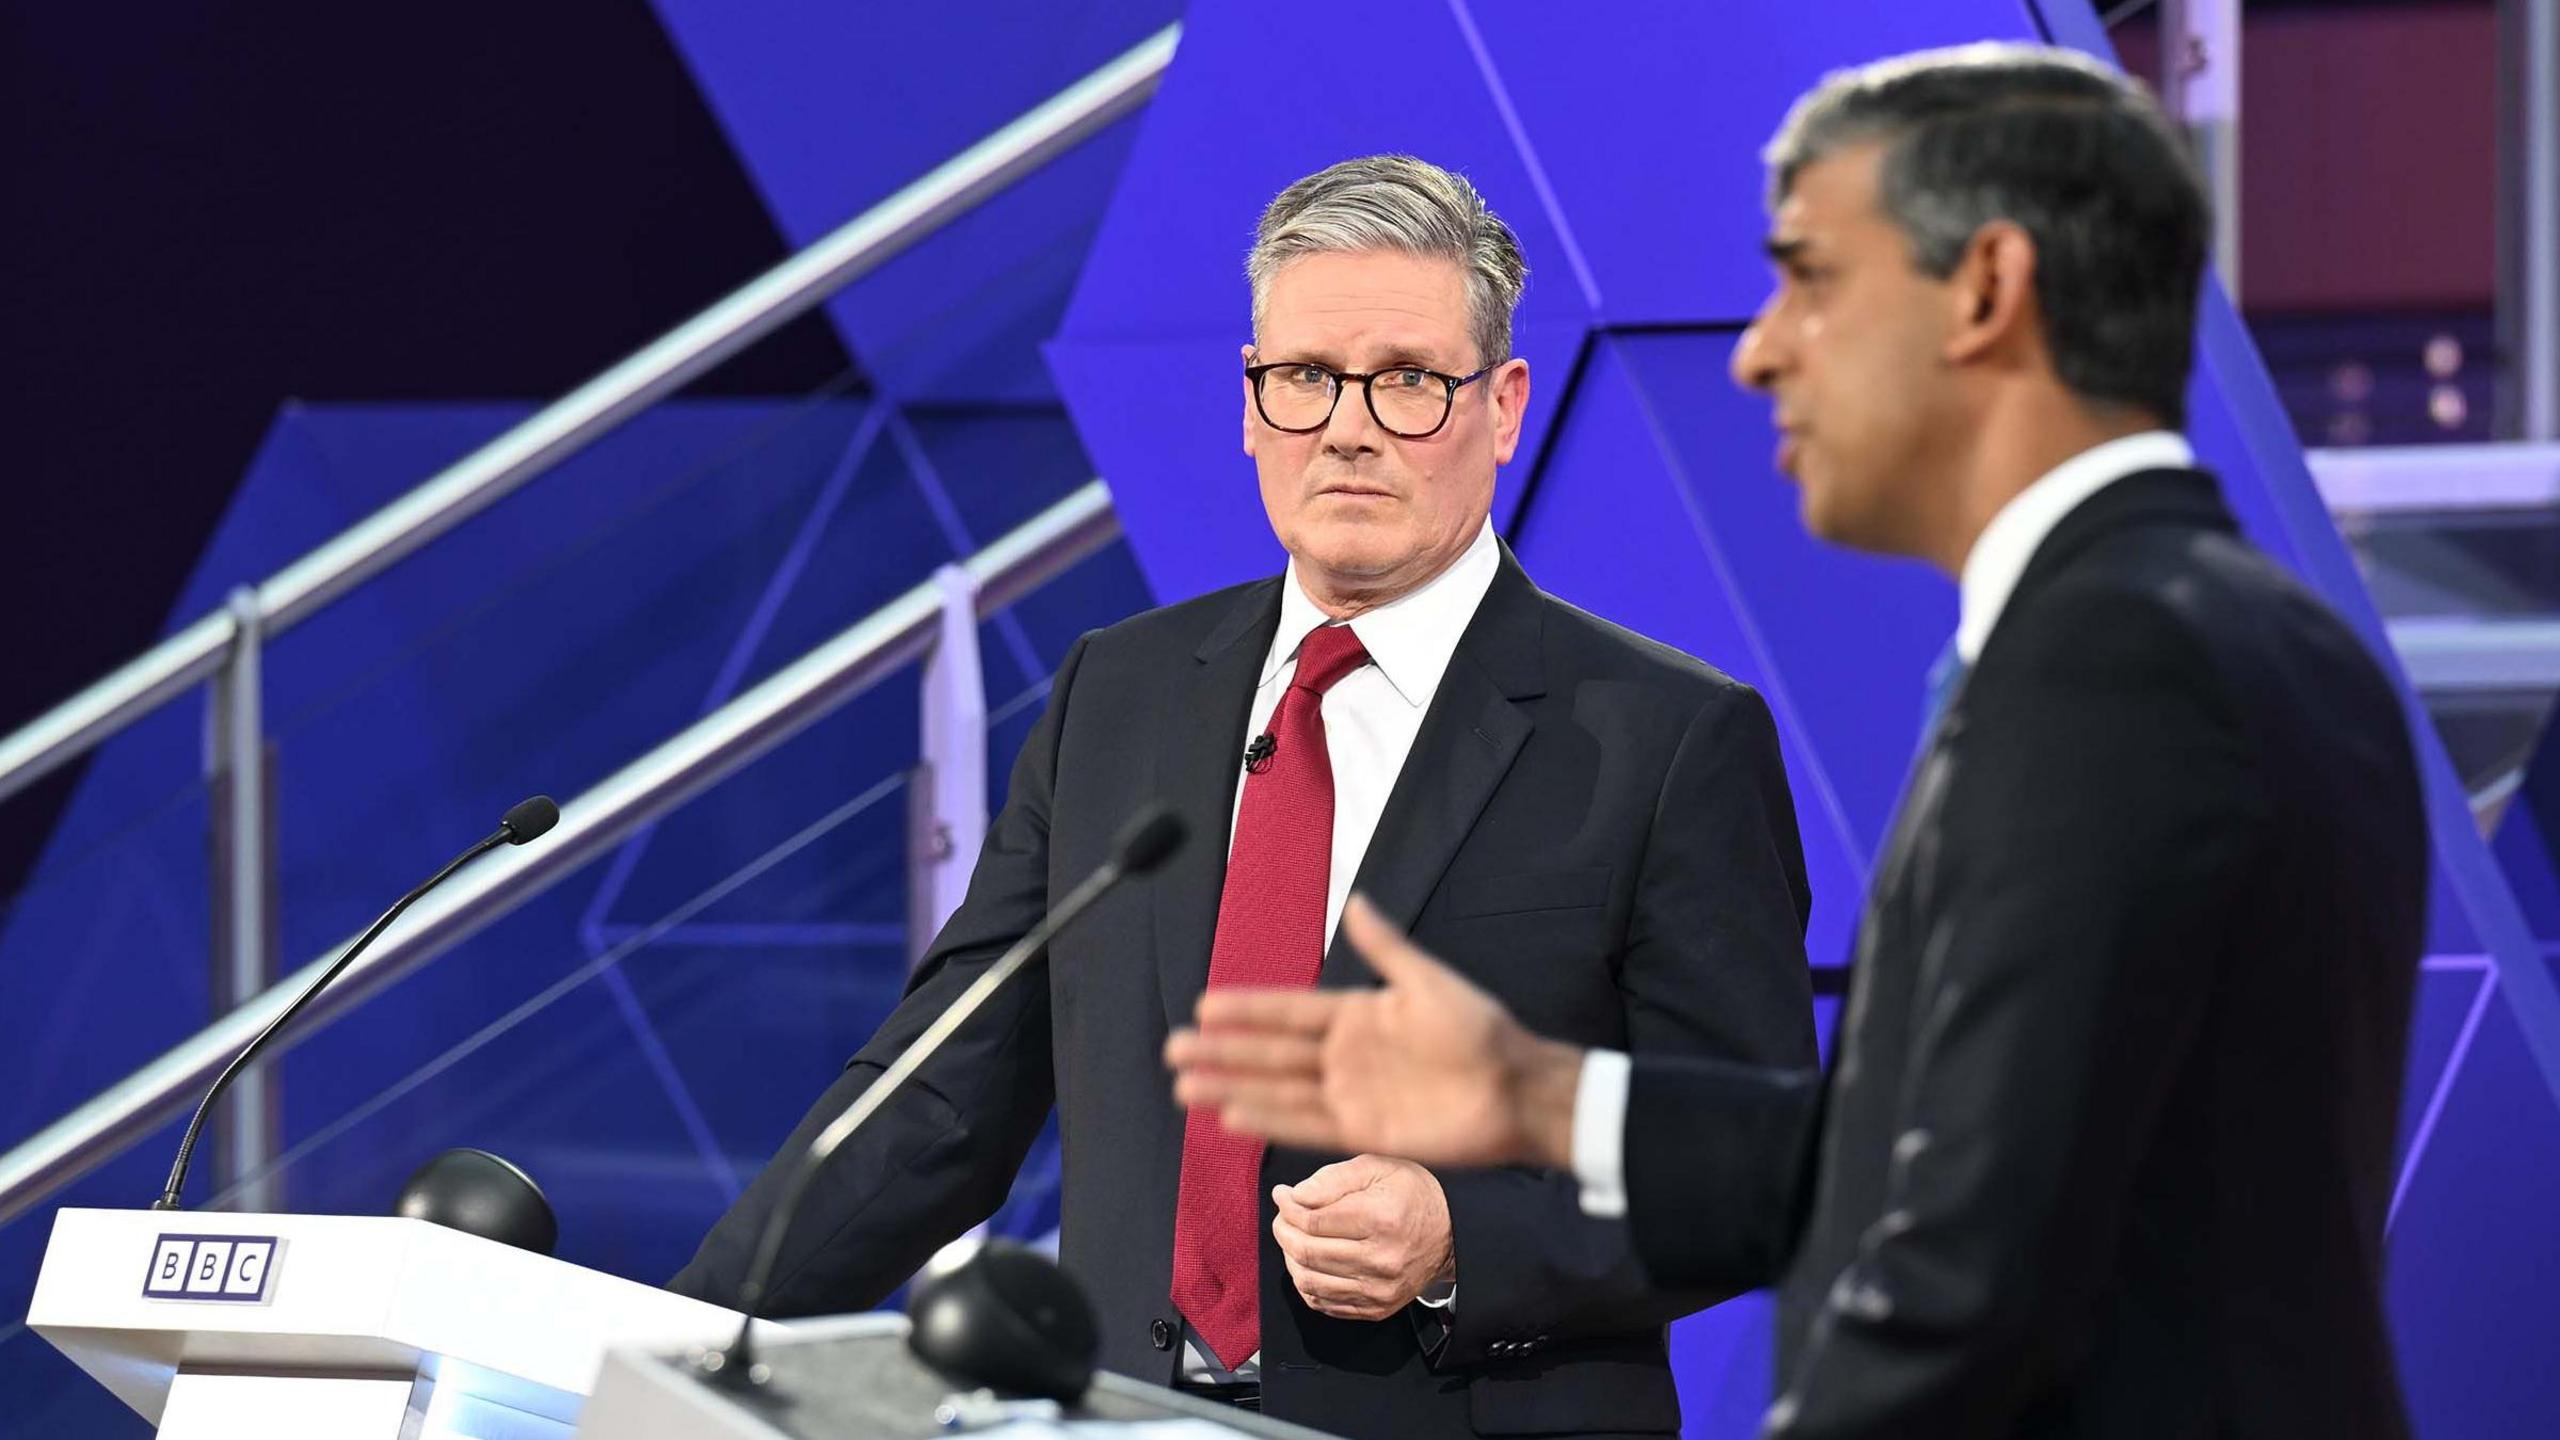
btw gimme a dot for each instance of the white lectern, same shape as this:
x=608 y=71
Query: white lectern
x=300 y=1327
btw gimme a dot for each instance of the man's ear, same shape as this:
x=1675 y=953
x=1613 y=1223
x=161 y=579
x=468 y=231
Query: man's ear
x=1993 y=294
x=1510 y=390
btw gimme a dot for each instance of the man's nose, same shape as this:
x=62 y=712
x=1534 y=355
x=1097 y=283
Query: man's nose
x=1755 y=361
x=1352 y=429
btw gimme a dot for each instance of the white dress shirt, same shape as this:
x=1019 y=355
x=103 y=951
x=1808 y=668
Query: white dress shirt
x=1371 y=717
x=1991 y=570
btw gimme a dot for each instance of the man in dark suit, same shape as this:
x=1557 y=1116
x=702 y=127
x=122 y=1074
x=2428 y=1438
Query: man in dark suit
x=1603 y=820
x=2105 y=1148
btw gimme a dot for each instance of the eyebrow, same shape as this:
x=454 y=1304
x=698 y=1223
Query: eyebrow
x=1396 y=356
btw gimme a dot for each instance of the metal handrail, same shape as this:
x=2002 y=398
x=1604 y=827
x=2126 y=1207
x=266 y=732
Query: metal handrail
x=704 y=753
x=574 y=421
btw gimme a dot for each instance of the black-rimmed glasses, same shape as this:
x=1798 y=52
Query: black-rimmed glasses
x=1297 y=396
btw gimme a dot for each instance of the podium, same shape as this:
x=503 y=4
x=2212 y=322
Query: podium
x=853 y=1378
x=299 y=1327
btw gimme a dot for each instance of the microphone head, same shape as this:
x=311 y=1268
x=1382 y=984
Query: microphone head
x=1148 y=840
x=530 y=820
x=1003 y=1316
x=479 y=1194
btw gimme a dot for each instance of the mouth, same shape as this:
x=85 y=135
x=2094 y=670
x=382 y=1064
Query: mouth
x=1790 y=448
x=1352 y=490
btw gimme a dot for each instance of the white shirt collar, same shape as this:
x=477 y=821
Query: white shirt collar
x=1412 y=637
x=2000 y=555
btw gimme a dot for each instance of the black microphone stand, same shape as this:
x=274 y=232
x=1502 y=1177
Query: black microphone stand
x=528 y=820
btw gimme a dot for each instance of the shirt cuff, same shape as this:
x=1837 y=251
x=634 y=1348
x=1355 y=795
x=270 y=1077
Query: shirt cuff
x=1442 y=1301
x=1600 y=1133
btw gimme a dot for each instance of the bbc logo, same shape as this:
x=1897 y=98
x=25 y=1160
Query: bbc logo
x=237 y=1268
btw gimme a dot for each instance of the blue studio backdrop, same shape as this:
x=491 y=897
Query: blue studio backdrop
x=641 y=1037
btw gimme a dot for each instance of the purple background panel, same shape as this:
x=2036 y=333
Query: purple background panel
x=2473 y=1246
x=1251 y=105
x=834 y=107
x=1649 y=125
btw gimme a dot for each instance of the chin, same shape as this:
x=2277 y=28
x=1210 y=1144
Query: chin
x=1812 y=513
x=1352 y=547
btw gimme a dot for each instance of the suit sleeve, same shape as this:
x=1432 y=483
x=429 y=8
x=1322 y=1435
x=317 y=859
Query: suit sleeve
x=942 y=1155
x=1713 y=966
x=2096 y=834
x=1715 y=1158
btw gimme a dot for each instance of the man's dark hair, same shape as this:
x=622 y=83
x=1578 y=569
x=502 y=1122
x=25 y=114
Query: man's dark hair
x=2073 y=153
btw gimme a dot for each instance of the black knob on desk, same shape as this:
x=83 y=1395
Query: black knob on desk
x=477 y=1192
x=1003 y=1316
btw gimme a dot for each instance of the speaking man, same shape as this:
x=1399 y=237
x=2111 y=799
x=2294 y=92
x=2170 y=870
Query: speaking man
x=1601 y=823
x=2105 y=1146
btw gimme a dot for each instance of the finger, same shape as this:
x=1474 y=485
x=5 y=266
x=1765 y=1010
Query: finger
x=1300 y=1012
x=1345 y=1300
x=1357 y=1261
x=1313 y=1223
x=1333 y=1293
x=1289 y=1238
x=1287 y=1208
x=1398 y=961
x=1301 y=1125
x=1218 y=1089
x=1250 y=1052
x=1315 y=1292
x=1353 y=1217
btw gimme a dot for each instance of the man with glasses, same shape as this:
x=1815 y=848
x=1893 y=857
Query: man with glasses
x=1601 y=822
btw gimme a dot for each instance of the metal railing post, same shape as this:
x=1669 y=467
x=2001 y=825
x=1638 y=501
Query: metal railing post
x=241 y=872
x=2529 y=218
x=2200 y=88
x=947 y=804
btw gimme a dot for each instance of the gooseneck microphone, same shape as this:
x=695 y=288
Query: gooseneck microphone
x=529 y=820
x=1145 y=843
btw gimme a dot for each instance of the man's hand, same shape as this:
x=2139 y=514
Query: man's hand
x=1365 y=1237
x=1427 y=1067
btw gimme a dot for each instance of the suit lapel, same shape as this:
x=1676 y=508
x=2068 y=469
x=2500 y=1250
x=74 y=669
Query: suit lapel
x=1471 y=733
x=1206 y=706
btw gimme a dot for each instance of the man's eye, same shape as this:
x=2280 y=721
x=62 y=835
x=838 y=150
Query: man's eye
x=1405 y=379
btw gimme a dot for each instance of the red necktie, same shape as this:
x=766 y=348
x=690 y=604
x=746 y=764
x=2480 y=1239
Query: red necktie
x=1270 y=933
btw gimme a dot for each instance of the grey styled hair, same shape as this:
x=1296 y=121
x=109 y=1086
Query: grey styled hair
x=2071 y=152
x=1399 y=203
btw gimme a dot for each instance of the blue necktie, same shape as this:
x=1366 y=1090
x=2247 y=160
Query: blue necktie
x=1946 y=676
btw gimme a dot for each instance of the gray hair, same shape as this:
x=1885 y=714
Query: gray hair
x=1395 y=202
x=2059 y=145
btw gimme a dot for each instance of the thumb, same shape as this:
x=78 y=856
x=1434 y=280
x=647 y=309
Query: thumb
x=1398 y=961
x=1332 y=1183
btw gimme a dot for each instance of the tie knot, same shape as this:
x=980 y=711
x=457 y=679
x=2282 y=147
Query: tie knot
x=1327 y=654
